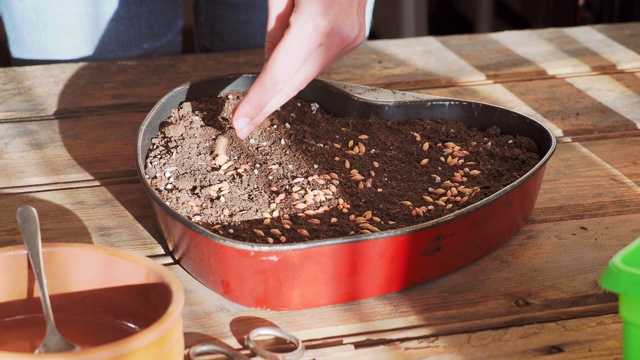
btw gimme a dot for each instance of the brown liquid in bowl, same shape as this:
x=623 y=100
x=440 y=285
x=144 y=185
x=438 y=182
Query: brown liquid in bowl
x=87 y=318
x=24 y=334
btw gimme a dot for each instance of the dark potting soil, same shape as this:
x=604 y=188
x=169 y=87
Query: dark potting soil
x=305 y=175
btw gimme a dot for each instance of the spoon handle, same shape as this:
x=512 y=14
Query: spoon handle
x=30 y=228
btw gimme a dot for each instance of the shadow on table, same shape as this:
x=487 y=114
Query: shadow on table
x=99 y=133
x=57 y=223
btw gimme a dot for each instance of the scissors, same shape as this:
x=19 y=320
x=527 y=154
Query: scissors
x=211 y=349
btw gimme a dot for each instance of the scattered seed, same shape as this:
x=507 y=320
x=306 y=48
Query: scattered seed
x=406 y=203
x=226 y=165
x=258 y=232
x=425 y=146
x=270 y=240
x=369 y=227
x=347 y=164
x=303 y=232
x=375 y=164
x=475 y=172
x=424 y=162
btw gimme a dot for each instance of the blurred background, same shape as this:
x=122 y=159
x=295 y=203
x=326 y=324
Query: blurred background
x=406 y=18
x=410 y=18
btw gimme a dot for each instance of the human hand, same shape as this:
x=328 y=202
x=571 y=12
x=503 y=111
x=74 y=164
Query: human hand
x=304 y=37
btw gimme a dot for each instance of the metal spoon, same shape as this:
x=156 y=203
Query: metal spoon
x=30 y=229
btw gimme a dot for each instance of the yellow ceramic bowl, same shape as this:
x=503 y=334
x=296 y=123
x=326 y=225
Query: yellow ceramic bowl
x=114 y=304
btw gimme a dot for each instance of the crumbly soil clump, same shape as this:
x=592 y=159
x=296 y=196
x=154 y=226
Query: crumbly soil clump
x=306 y=175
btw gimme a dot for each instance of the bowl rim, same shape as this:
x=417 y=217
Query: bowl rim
x=132 y=342
x=345 y=89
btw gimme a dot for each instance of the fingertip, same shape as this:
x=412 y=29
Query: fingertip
x=243 y=127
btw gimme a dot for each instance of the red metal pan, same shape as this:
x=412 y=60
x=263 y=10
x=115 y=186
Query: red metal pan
x=337 y=270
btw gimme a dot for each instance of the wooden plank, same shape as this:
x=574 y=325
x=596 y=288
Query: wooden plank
x=60 y=89
x=619 y=158
x=589 y=338
x=538 y=276
x=580 y=184
x=621 y=56
x=626 y=34
x=68 y=150
x=115 y=215
x=413 y=63
x=569 y=107
x=427 y=62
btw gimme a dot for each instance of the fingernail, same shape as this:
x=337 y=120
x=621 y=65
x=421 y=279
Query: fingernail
x=243 y=127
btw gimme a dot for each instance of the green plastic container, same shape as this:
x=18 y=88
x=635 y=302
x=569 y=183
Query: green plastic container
x=622 y=276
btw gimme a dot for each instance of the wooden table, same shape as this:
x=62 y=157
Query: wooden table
x=67 y=145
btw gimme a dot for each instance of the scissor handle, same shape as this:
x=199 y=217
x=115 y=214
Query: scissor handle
x=228 y=351
x=279 y=333
x=211 y=349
